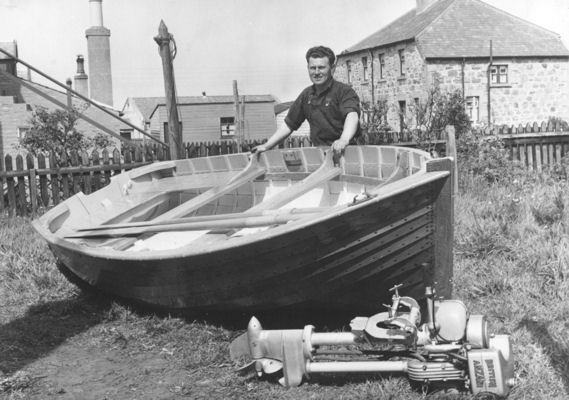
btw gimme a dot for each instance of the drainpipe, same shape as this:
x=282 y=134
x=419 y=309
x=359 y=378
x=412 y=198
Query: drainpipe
x=489 y=85
x=462 y=76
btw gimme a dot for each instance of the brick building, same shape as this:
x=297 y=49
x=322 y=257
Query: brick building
x=509 y=71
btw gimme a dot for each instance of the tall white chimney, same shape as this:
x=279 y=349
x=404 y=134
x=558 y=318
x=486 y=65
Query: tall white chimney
x=99 y=55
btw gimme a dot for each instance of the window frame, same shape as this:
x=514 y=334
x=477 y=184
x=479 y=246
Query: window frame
x=497 y=75
x=229 y=123
x=401 y=53
x=349 y=71
x=365 y=69
x=381 y=59
x=469 y=107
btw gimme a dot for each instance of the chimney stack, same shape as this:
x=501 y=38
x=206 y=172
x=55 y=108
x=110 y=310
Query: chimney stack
x=99 y=55
x=81 y=81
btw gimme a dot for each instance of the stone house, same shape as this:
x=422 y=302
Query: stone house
x=508 y=70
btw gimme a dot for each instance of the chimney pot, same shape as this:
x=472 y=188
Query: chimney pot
x=80 y=64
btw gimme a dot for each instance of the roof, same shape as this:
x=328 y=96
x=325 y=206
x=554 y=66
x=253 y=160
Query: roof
x=463 y=29
x=147 y=105
x=10 y=47
x=91 y=112
x=279 y=108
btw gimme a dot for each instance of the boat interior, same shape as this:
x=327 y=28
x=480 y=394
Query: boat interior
x=171 y=204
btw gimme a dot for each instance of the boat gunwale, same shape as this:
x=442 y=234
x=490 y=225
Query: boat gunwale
x=378 y=194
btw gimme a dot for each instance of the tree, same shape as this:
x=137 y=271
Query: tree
x=436 y=112
x=54 y=131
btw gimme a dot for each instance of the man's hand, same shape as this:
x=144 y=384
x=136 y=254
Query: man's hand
x=339 y=146
x=257 y=150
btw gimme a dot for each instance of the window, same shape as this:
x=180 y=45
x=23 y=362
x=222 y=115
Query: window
x=499 y=74
x=365 y=69
x=401 y=62
x=126 y=134
x=349 y=71
x=381 y=66
x=471 y=105
x=227 y=127
x=22 y=132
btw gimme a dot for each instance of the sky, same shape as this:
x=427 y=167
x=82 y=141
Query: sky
x=259 y=43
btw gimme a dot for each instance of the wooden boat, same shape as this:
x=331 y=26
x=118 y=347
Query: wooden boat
x=286 y=228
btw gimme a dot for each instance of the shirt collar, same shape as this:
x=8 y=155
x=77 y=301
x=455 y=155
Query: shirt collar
x=326 y=89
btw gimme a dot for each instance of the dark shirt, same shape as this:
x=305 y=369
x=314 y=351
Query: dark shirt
x=325 y=111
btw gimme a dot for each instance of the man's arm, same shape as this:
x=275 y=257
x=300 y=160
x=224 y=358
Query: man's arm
x=350 y=128
x=280 y=134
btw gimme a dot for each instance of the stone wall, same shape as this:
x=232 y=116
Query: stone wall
x=393 y=87
x=536 y=89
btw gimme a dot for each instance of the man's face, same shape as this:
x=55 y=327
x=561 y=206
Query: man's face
x=320 y=70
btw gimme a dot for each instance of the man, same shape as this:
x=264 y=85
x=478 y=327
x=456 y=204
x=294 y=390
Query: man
x=332 y=108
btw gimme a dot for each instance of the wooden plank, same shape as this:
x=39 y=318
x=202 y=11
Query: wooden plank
x=210 y=224
x=54 y=180
x=76 y=177
x=11 y=190
x=326 y=172
x=87 y=184
x=44 y=193
x=443 y=223
x=250 y=173
x=22 y=194
x=3 y=185
x=64 y=176
x=204 y=218
x=97 y=184
x=106 y=162
x=32 y=182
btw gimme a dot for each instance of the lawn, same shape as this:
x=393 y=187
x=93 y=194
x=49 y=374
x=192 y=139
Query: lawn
x=511 y=264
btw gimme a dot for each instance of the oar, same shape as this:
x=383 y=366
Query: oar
x=236 y=223
x=324 y=173
x=202 y=218
x=250 y=173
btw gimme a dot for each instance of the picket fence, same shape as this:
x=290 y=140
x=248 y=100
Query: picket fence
x=30 y=184
x=536 y=145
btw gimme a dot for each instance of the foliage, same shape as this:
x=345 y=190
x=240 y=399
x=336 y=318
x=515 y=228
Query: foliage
x=432 y=115
x=485 y=157
x=55 y=131
x=374 y=123
x=558 y=121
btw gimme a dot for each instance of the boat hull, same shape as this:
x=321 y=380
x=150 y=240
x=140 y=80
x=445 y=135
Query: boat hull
x=345 y=258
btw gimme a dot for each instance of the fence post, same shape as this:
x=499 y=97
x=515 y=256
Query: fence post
x=22 y=195
x=11 y=188
x=33 y=183
x=451 y=151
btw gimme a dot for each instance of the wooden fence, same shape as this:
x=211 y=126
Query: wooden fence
x=537 y=144
x=32 y=183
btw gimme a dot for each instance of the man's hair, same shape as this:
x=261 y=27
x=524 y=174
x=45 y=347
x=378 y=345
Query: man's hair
x=321 y=52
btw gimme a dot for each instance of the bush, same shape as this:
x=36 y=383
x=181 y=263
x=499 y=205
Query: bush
x=485 y=157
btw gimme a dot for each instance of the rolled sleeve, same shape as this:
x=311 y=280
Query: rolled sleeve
x=349 y=102
x=296 y=115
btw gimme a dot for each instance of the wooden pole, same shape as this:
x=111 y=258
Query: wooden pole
x=451 y=152
x=237 y=115
x=489 y=87
x=174 y=134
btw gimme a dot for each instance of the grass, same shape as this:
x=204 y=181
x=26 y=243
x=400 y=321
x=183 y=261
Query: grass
x=511 y=264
